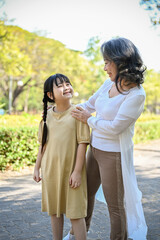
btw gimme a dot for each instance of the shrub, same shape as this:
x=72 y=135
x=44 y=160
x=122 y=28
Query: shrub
x=145 y=131
x=18 y=147
x=19 y=120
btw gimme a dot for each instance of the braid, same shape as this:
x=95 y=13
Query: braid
x=45 y=100
x=45 y=129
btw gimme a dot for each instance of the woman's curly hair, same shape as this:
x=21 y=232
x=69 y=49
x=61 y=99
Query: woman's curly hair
x=127 y=59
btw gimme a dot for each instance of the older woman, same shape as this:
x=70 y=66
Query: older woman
x=118 y=104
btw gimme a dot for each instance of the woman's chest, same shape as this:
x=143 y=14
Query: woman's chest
x=106 y=107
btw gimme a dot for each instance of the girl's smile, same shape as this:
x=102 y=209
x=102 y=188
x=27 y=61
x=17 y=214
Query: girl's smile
x=62 y=91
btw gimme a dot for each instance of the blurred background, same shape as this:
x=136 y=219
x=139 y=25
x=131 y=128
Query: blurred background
x=39 y=38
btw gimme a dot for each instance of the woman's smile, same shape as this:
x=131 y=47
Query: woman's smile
x=111 y=69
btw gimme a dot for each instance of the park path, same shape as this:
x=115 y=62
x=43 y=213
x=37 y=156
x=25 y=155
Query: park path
x=20 y=202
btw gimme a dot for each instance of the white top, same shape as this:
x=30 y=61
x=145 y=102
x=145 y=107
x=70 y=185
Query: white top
x=105 y=134
x=122 y=125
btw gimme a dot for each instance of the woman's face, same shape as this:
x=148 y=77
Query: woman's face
x=111 y=68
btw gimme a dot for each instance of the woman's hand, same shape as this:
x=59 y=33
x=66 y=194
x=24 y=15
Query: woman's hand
x=75 y=179
x=80 y=114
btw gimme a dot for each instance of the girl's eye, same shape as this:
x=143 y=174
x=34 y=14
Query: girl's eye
x=60 y=85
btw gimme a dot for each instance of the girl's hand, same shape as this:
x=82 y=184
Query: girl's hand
x=36 y=175
x=81 y=114
x=75 y=179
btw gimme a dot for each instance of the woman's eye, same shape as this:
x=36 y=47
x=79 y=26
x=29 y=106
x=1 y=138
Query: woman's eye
x=60 y=85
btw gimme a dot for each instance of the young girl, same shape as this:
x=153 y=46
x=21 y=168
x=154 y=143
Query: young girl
x=61 y=158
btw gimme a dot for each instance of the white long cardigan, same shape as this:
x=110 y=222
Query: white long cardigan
x=137 y=228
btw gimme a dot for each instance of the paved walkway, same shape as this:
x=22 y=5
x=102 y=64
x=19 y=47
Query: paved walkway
x=20 y=202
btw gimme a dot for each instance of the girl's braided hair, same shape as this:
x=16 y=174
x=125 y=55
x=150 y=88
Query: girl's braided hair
x=127 y=59
x=48 y=87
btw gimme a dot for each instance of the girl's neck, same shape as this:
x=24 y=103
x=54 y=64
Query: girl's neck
x=61 y=107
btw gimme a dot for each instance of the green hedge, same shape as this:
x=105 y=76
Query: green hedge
x=18 y=147
x=145 y=131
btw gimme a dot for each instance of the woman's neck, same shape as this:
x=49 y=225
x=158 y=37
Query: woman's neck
x=125 y=87
x=61 y=107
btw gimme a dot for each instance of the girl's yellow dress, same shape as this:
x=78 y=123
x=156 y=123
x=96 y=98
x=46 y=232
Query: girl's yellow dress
x=64 y=135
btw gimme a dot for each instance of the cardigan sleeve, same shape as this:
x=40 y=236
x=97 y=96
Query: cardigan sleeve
x=90 y=104
x=129 y=111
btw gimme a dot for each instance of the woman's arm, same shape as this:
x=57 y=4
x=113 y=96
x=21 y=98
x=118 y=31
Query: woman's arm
x=90 y=104
x=75 y=179
x=117 y=126
x=128 y=113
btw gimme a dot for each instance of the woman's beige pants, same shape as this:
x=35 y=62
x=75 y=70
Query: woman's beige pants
x=105 y=167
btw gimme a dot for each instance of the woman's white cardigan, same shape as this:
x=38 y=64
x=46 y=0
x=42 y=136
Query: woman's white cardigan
x=137 y=228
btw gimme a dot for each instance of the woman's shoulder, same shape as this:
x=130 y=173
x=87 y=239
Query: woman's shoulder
x=137 y=91
x=108 y=82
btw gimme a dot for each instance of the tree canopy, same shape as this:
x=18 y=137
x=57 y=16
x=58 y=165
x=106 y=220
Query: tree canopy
x=153 y=6
x=29 y=59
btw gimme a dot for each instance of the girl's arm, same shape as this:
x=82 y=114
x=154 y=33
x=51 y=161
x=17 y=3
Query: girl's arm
x=75 y=179
x=36 y=174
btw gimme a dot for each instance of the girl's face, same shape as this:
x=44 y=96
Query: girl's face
x=63 y=91
x=111 y=68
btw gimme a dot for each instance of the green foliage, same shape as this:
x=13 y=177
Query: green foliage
x=16 y=121
x=153 y=6
x=145 y=131
x=152 y=89
x=31 y=58
x=18 y=137
x=18 y=147
x=93 y=50
x=148 y=117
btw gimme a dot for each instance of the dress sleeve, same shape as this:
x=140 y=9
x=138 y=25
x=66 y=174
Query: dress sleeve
x=90 y=104
x=128 y=113
x=83 y=132
x=40 y=131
